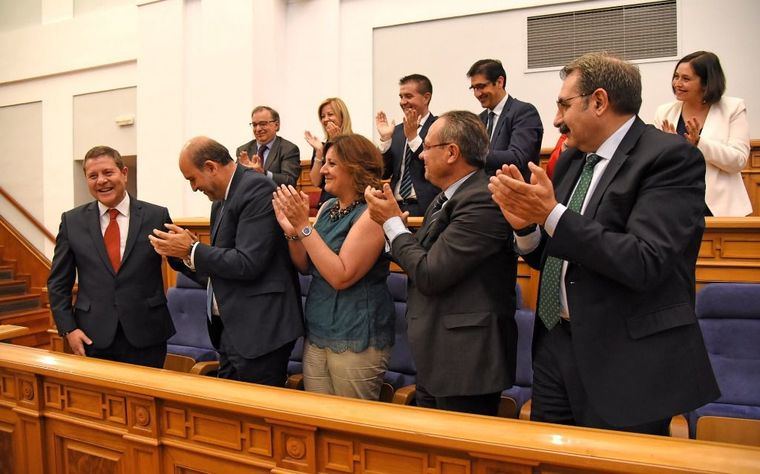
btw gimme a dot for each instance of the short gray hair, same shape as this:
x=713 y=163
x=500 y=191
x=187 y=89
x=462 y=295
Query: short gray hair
x=468 y=132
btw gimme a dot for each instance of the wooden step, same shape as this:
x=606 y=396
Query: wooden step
x=12 y=287
x=15 y=303
x=6 y=272
x=38 y=322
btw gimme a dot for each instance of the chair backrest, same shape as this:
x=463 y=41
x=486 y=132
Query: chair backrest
x=524 y=371
x=401 y=368
x=187 y=306
x=729 y=316
x=295 y=361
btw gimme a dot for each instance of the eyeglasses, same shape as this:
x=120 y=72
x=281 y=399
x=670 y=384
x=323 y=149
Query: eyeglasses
x=426 y=147
x=261 y=124
x=564 y=104
x=481 y=86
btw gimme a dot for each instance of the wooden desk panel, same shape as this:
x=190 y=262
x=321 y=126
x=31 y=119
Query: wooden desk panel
x=730 y=252
x=62 y=413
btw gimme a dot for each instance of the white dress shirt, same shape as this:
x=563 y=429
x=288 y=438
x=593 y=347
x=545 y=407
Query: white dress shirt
x=497 y=113
x=530 y=242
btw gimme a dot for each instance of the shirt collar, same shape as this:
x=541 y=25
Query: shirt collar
x=122 y=207
x=267 y=144
x=453 y=188
x=500 y=106
x=424 y=119
x=229 y=184
x=607 y=149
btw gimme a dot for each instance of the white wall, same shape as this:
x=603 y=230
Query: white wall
x=199 y=66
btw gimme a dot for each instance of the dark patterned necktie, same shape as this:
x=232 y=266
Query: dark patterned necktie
x=491 y=116
x=548 y=303
x=261 y=152
x=440 y=200
x=405 y=190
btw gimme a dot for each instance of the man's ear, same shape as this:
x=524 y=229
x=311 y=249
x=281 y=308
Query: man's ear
x=210 y=166
x=453 y=150
x=600 y=101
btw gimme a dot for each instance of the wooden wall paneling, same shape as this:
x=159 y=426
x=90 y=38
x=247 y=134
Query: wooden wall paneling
x=751 y=176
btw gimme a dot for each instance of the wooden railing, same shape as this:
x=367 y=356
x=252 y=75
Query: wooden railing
x=730 y=252
x=750 y=174
x=27 y=214
x=62 y=413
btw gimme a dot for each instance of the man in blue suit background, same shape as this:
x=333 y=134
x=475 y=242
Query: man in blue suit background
x=514 y=127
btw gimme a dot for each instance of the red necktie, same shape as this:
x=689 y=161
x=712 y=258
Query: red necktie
x=112 y=239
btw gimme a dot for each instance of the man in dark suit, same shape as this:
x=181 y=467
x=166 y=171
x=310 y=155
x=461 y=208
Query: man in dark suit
x=462 y=268
x=513 y=127
x=401 y=145
x=120 y=312
x=617 y=344
x=254 y=305
x=268 y=153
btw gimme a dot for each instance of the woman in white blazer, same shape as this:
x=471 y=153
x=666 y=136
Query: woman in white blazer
x=715 y=124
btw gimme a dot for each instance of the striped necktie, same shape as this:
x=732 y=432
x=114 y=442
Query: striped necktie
x=405 y=189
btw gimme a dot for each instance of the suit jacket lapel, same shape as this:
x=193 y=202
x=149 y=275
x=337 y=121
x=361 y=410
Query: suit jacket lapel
x=426 y=126
x=219 y=208
x=92 y=217
x=567 y=172
x=135 y=222
x=621 y=154
x=274 y=153
x=432 y=228
x=502 y=120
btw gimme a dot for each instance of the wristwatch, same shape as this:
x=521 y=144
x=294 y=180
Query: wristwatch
x=525 y=231
x=306 y=231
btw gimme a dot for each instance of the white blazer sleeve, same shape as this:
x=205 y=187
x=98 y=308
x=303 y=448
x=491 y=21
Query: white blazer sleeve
x=727 y=147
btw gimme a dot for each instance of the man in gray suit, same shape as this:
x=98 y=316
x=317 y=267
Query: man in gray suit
x=120 y=312
x=267 y=153
x=461 y=269
x=254 y=304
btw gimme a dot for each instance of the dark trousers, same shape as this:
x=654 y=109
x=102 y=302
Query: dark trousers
x=121 y=350
x=268 y=369
x=558 y=394
x=485 y=404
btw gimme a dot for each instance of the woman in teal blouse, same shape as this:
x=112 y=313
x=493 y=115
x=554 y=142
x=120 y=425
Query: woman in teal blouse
x=349 y=310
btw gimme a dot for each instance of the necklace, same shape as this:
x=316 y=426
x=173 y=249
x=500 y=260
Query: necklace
x=336 y=212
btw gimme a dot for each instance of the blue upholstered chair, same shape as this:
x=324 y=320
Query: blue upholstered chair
x=513 y=398
x=401 y=375
x=521 y=391
x=295 y=362
x=729 y=315
x=190 y=349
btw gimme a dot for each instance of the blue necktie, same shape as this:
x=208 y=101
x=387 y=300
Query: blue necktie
x=548 y=303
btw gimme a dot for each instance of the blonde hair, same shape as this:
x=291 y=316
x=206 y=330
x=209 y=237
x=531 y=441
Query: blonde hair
x=340 y=109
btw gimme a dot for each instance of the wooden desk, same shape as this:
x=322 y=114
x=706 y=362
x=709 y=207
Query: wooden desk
x=9 y=331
